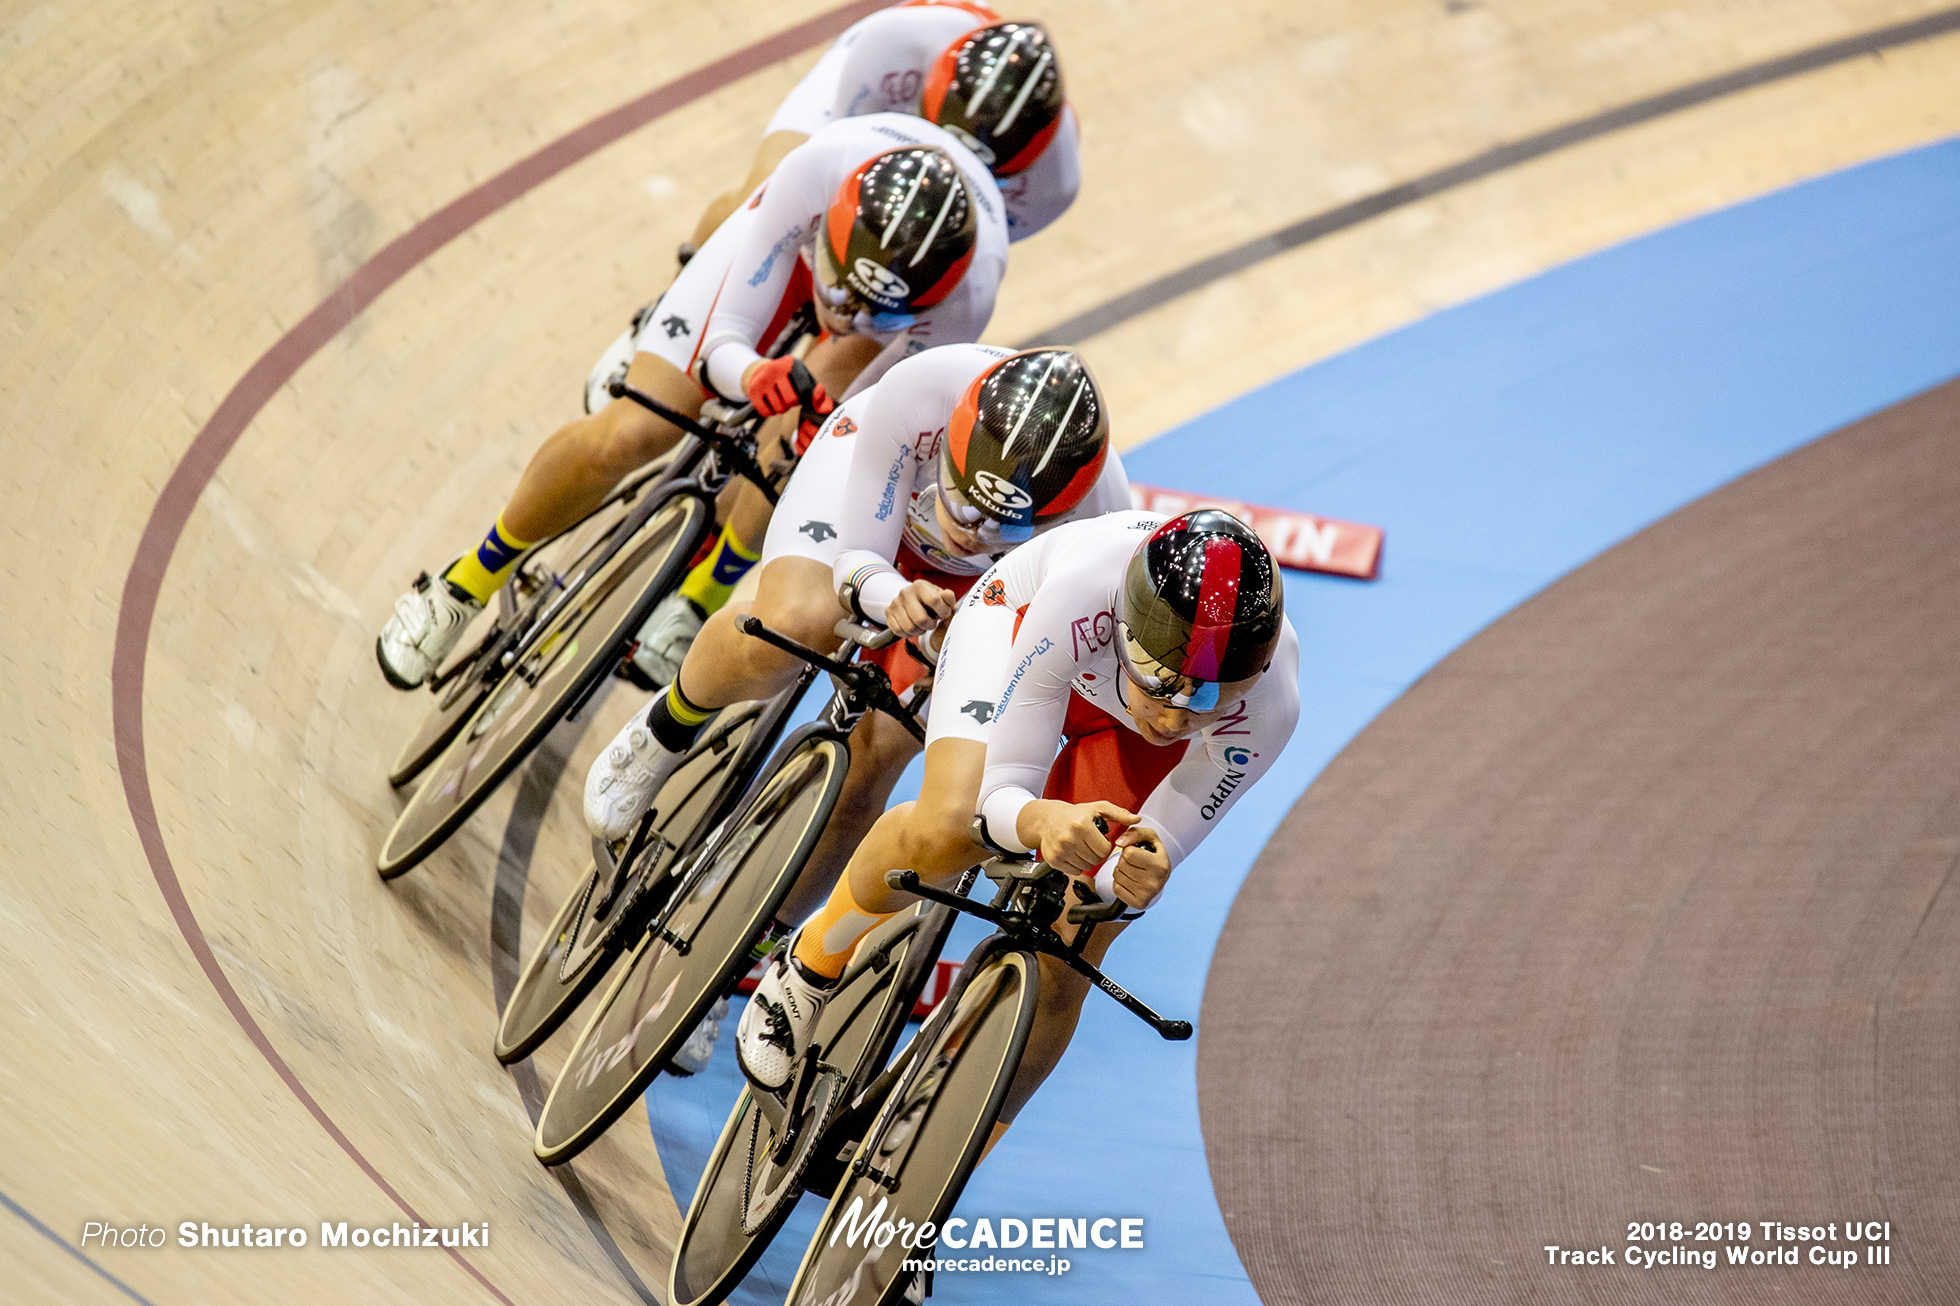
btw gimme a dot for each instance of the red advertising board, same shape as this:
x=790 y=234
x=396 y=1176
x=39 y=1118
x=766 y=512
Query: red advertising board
x=1297 y=539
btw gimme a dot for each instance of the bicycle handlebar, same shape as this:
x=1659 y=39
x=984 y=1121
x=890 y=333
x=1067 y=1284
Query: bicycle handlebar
x=740 y=456
x=868 y=682
x=867 y=637
x=1037 y=937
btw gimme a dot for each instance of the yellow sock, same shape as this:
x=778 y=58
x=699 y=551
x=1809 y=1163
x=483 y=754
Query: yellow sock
x=482 y=573
x=714 y=578
x=832 y=935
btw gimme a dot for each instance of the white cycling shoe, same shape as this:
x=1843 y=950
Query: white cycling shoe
x=427 y=622
x=666 y=637
x=695 y=1054
x=779 y=1021
x=624 y=779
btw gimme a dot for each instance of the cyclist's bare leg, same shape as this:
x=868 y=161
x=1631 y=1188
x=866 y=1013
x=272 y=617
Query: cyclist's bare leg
x=582 y=461
x=767 y=155
x=794 y=598
x=880 y=748
x=929 y=836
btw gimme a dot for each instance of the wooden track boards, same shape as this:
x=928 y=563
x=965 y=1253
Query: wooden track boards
x=182 y=184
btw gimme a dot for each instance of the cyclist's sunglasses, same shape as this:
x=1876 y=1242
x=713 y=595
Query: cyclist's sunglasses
x=1160 y=682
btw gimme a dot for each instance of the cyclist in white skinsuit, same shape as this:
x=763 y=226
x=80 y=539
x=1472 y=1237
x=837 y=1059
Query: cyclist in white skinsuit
x=887 y=492
x=1157 y=655
x=995 y=86
x=880 y=64
x=885 y=189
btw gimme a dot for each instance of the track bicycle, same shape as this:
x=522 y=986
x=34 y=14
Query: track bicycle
x=720 y=917
x=612 y=903
x=944 y=1094
x=556 y=640
x=774 y=1148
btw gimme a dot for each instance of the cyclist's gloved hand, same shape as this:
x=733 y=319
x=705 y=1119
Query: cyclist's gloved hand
x=776 y=385
x=1142 y=866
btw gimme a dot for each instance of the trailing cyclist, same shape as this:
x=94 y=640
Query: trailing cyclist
x=1157 y=657
x=996 y=85
x=912 y=489
x=886 y=224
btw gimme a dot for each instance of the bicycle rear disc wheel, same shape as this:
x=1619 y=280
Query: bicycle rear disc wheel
x=731 y=893
x=926 y=1140
x=578 y=645
x=857 y=1028
x=548 y=989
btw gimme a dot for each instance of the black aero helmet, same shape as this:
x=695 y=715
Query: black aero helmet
x=1025 y=442
x=1202 y=605
x=899 y=233
x=999 y=90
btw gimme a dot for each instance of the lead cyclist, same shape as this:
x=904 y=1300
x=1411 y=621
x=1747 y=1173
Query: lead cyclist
x=1156 y=656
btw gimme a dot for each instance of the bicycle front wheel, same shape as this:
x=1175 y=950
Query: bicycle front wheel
x=576 y=647
x=567 y=965
x=702 y=944
x=745 y=1194
x=926 y=1140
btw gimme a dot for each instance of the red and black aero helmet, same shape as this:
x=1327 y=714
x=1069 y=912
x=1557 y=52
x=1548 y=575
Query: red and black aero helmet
x=1024 y=444
x=1202 y=605
x=899 y=233
x=999 y=90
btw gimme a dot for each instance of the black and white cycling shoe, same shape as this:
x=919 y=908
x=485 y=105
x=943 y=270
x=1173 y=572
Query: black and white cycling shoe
x=780 y=1019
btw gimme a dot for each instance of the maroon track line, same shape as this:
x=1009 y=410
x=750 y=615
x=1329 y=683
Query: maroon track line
x=261 y=381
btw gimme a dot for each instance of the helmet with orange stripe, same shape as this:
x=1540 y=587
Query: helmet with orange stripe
x=999 y=90
x=897 y=237
x=1023 y=446
x=983 y=12
x=1201 y=606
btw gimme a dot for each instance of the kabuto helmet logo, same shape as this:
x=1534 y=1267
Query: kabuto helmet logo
x=880 y=285
x=1000 y=497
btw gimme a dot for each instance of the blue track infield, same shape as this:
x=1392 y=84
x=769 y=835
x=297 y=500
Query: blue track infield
x=1501 y=444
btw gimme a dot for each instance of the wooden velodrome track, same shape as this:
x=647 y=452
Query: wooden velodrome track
x=217 y=1013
